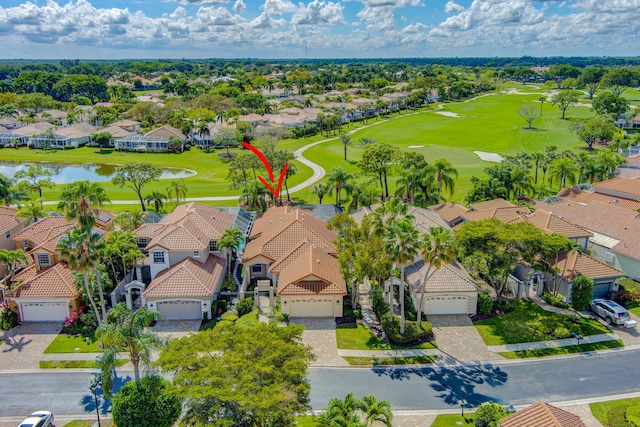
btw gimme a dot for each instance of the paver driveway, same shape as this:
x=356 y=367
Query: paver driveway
x=24 y=344
x=459 y=341
x=320 y=335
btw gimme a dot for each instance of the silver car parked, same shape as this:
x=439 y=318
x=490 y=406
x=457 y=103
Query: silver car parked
x=38 y=419
x=610 y=311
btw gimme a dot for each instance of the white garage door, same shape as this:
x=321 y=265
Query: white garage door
x=44 y=312
x=446 y=304
x=318 y=308
x=180 y=310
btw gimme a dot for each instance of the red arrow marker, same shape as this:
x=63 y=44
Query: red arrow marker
x=267 y=165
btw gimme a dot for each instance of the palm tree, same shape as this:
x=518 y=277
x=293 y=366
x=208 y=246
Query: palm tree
x=12 y=259
x=253 y=195
x=538 y=159
x=339 y=178
x=402 y=240
x=320 y=189
x=444 y=172
x=130 y=220
x=80 y=200
x=157 y=198
x=376 y=412
x=82 y=249
x=409 y=183
x=343 y=409
x=345 y=140
x=127 y=331
x=5 y=189
x=231 y=239
x=33 y=209
x=122 y=244
x=178 y=189
x=438 y=247
x=564 y=170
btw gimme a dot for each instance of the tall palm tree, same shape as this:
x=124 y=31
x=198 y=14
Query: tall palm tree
x=339 y=178
x=402 y=240
x=82 y=249
x=157 y=198
x=438 y=247
x=5 y=189
x=409 y=182
x=129 y=220
x=444 y=173
x=320 y=189
x=231 y=239
x=537 y=158
x=345 y=140
x=178 y=189
x=127 y=331
x=80 y=201
x=253 y=195
x=564 y=170
x=33 y=209
x=12 y=259
x=375 y=411
x=121 y=244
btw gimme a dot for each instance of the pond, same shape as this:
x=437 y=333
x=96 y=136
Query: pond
x=66 y=173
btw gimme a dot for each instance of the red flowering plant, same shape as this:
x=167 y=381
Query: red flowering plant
x=79 y=323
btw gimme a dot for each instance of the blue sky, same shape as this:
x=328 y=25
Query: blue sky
x=103 y=29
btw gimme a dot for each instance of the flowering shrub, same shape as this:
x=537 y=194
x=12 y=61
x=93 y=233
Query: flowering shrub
x=79 y=323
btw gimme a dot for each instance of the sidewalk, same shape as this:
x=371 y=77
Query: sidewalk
x=553 y=344
x=389 y=353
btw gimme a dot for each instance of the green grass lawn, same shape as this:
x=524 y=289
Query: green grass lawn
x=64 y=343
x=600 y=410
x=73 y=364
x=453 y=420
x=305 y=421
x=377 y=361
x=562 y=350
x=361 y=338
x=529 y=323
x=104 y=422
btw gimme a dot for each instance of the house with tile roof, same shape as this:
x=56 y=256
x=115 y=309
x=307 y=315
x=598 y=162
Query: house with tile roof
x=542 y=414
x=451 y=212
x=294 y=252
x=448 y=290
x=9 y=226
x=185 y=266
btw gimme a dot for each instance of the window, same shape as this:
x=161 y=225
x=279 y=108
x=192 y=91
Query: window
x=213 y=246
x=256 y=268
x=142 y=243
x=196 y=254
x=44 y=260
x=158 y=257
x=8 y=234
x=25 y=244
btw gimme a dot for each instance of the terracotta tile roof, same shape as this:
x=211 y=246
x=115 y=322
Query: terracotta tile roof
x=424 y=219
x=609 y=220
x=166 y=132
x=46 y=230
x=189 y=227
x=491 y=204
x=627 y=172
x=552 y=224
x=314 y=265
x=54 y=282
x=572 y=195
x=449 y=278
x=266 y=219
x=359 y=214
x=630 y=187
x=541 y=414
x=27 y=273
x=8 y=219
x=449 y=211
x=572 y=265
x=633 y=160
x=188 y=278
x=503 y=214
x=289 y=257
x=286 y=232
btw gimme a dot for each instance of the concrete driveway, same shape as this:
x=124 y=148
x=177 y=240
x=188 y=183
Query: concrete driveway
x=320 y=335
x=176 y=328
x=24 y=344
x=459 y=341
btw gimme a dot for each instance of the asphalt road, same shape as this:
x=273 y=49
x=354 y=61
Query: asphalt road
x=554 y=380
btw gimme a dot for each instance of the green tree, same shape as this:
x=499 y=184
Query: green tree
x=619 y=79
x=81 y=201
x=565 y=99
x=230 y=240
x=254 y=196
x=210 y=371
x=378 y=159
x=135 y=176
x=157 y=198
x=529 y=113
x=564 y=170
x=437 y=247
x=147 y=404
x=34 y=179
x=345 y=140
x=581 y=292
x=320 y=189
x=610 y=104
x=121 y=250
x=177 y=189
x=488 y=414
x=444 y=175
x=339 y=178
x=101 y=139
x=593 y=129
x=33 y=210
x=591 y=78
x=12 y=259
x=352 y=412
x=128 y=332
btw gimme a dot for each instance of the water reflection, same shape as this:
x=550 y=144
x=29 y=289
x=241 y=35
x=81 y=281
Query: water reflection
x=67 y=173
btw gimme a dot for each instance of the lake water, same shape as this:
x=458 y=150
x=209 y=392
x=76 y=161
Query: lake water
x=66 y=173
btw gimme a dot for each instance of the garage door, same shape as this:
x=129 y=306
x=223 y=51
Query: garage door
x=44 y=312
x=180 y=310
x=318 y=308
x=446 y=304
x=601 y=290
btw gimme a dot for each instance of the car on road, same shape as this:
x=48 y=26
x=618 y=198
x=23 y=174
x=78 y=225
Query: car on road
x=610 y=311
x=38 y=419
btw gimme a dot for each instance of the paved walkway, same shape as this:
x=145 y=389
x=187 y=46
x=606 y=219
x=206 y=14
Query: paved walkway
x=24 y=344
x=459 y=341
x=389 y=353
x=553 y=344
x=320 y=335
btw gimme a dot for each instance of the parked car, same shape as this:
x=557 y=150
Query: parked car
x=38 y=419
x=610 y=311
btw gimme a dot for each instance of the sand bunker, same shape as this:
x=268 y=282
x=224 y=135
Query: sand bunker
x=416 y=146
x=447 y=113
x=489 y=157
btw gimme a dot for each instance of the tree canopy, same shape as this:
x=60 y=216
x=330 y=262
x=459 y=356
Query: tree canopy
x=135 y=176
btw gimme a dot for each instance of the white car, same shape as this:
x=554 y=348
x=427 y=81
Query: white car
x=610 y=311
x=38 y=419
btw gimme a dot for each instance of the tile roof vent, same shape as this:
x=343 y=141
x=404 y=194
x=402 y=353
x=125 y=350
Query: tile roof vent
x=318 y=260
x=615 y=200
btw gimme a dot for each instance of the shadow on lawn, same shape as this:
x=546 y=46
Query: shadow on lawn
x=453 y=383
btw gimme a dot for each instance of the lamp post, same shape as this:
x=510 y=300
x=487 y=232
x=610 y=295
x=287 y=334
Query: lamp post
x=94 y=382
x=462 y=403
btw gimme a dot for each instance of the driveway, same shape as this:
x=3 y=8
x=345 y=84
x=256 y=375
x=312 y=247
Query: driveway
x=24 y=344
x=320 y=335
x=176 y=328
x=459 y=341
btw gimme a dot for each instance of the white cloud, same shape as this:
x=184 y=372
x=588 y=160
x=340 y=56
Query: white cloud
x=239 y=7
x=452 y=7
x=191 y=2
x=278 y=7
x=318 y=12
